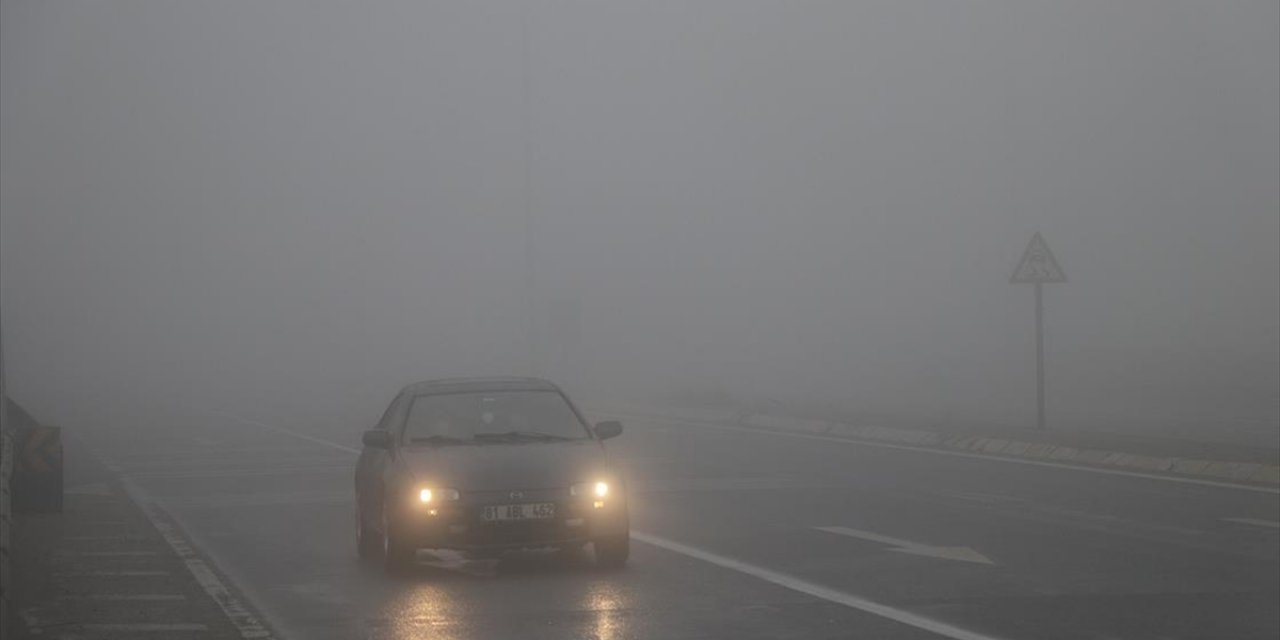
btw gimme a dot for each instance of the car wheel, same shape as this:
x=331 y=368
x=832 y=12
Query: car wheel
x=397 y=556
x=612 y=552
x=368 y=542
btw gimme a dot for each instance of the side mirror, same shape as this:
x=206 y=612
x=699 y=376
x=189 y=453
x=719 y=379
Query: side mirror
x=608 y=429
x=377 y=439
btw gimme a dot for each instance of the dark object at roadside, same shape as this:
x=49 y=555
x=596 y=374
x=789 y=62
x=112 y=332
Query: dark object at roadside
x=37 y=473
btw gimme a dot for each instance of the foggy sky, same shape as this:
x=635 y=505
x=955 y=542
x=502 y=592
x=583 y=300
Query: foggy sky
x=291 y=209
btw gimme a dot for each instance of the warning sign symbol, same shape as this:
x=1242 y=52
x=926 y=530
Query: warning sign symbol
x=1037 y=264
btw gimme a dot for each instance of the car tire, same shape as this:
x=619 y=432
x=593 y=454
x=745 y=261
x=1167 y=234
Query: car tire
x=397 y=555
x=612 y=552
x=368 y=541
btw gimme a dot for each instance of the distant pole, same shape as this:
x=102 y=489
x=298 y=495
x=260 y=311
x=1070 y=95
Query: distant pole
x=1040 y=423
x=1037 y=267
x=530 y=247
x=4 y=390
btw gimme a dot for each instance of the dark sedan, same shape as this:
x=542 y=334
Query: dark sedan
x=485 y=465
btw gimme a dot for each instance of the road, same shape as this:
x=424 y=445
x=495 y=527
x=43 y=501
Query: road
x=740 y=535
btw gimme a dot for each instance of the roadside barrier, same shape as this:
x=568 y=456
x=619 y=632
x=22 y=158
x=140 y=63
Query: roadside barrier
x=37 y=475
x=42 y=474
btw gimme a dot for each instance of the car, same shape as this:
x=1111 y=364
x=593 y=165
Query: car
x=484 y=466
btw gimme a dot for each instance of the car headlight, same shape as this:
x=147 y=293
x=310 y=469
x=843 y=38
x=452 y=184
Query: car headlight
x=426 y=496
x=598 y=489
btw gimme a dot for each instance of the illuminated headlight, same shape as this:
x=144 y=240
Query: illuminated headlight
x=594 y=489
x=437 y=495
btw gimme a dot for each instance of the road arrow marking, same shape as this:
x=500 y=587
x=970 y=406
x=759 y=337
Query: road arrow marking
x=1255 y=522
x=960 y=554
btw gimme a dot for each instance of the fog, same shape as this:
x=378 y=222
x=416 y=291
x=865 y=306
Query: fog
x=289 y=210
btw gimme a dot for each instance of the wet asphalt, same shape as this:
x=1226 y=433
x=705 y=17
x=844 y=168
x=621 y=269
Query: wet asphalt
x=741 y=535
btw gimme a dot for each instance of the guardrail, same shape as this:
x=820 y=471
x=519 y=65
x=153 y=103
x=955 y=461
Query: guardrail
x=16 y=428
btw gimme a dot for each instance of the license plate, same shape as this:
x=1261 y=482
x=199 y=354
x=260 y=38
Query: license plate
x=538 y=511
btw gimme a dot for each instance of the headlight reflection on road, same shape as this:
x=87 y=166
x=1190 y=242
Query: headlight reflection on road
x=425 y=611
x=608 y=604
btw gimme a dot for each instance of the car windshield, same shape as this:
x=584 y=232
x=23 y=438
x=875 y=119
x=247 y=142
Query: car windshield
x=491 y=416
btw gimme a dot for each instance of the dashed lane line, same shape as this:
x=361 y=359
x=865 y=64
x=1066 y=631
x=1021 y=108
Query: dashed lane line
x=124 y=538
x=1270 y=524
x=110 y=554
x=141 y=627
x=109 y=574
x=127 y=597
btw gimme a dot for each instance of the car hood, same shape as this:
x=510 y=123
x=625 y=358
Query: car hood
x=493 y=467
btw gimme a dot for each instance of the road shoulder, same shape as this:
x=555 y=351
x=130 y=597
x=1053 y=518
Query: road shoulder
x=109 y=567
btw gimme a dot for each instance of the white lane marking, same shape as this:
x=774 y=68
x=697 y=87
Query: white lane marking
x=240 y=617
x=141 y=597
x=1255 y=522
x=236 y=466
x=91 y=489
x=959 y=454
x=145 y=627
x=294 y=457
x=272 y=427
x=232 y=473
x=109 y=554
x=815 y=590
x=985 y=498
x=177 y=456
x=105 y=538
x=109 y=574
x=780 y=579
x=671 y=484
x=961 y=554
x=226 y=500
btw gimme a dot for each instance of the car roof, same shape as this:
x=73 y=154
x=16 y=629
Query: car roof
x=479 y=384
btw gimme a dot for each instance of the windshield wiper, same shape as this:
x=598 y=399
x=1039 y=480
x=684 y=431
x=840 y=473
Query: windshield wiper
x=521 y=435
x=438 y=440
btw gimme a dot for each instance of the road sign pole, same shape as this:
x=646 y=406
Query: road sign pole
x=530 y=228
x=1037 y=267
x=1040 y=424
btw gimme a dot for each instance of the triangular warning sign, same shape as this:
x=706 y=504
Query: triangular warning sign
x=1037 y=264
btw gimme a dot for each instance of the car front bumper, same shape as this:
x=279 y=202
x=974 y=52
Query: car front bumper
x=461 y=526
